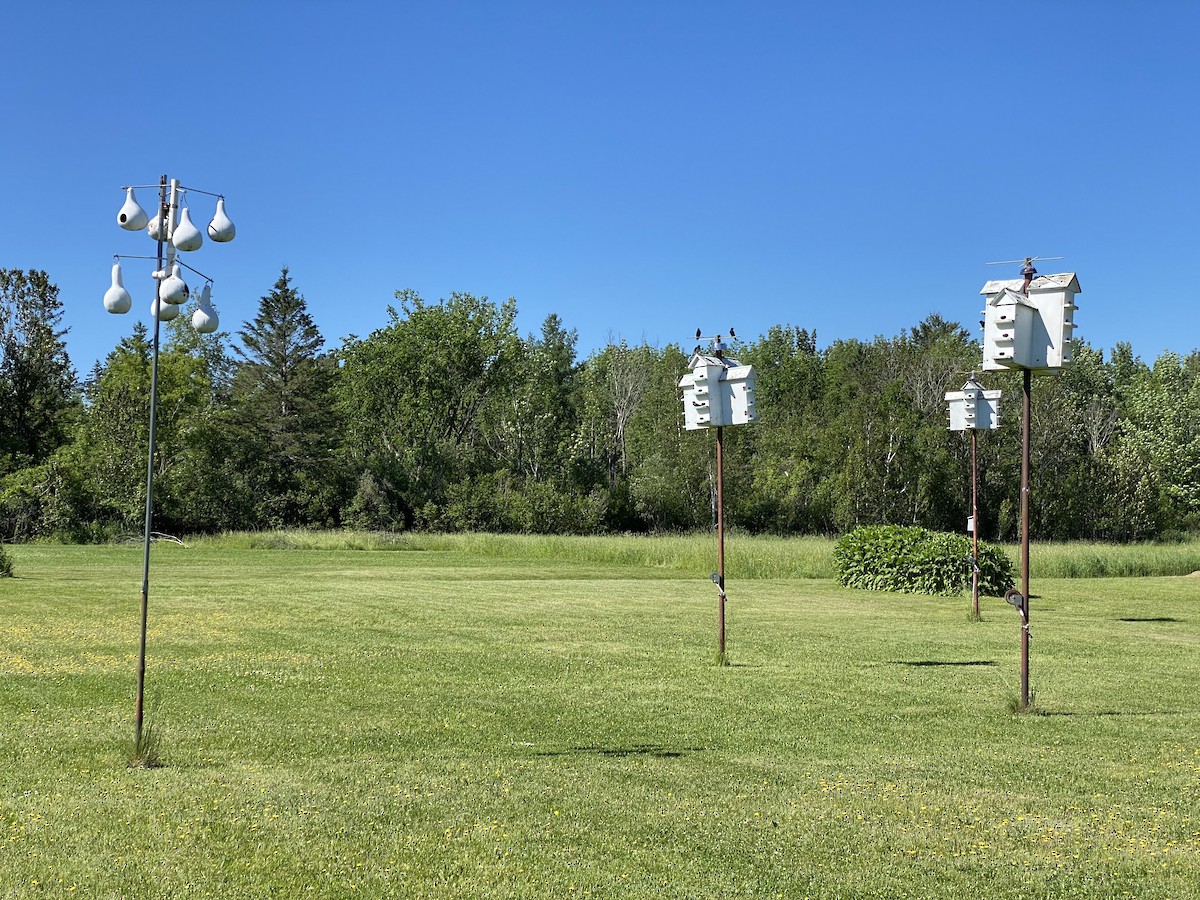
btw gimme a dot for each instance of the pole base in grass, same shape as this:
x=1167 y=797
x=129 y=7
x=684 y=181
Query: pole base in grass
x=146 y=751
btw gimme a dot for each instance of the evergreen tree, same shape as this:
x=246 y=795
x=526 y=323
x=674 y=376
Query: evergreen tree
x=283 y=410
x=37 y=382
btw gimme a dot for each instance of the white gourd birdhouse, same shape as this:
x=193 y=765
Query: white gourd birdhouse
x=164 y=312
x=116 y=298
x=205 y=319
x=173 y=289
x=157 y=228
x=221 y=229
x=186 y=236
x=131 y=216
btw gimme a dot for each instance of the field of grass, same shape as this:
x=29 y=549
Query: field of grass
x=529 y=718
x=756 y=557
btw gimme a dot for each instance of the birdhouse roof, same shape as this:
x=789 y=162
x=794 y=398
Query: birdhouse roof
x=704 y=359
x=1064 y=281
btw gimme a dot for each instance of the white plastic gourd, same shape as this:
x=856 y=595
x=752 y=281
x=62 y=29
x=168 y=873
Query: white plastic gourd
x=205 y=319
x=157 y=228
x=131 y=216
x=186 y=236
x=221 y=229
x=164 y=312
x=173 y=288
x=116 y=298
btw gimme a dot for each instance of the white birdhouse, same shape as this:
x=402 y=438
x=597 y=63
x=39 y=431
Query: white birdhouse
x=1029 y=331
x=717 y=391
x=973 y=408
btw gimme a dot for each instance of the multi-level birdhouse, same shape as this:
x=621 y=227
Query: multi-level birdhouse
x=1029 y=330
x=717 y=391
x=973 y=408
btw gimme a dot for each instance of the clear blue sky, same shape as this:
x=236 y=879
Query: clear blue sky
x=639 y=168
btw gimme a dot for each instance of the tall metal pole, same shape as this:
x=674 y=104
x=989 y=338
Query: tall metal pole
x=1026 y=414
x=164 y=214
x=974 y=523
x=720 y=543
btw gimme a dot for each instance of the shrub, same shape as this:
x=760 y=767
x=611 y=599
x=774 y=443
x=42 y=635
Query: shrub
x=6 y=567
x=917 y=561
x=375 y=506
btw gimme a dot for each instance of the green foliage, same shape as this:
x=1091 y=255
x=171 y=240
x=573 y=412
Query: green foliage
x=37 y=383
x=747 y=556
x=374 y=506
x=49 y=500
x=447 y=420
x=6 y=563
x=414 y=394
x=110 y=447
x=530 y=425
x=281 y=422
x=917 y=561
x=1012 y=702
x=497 y=502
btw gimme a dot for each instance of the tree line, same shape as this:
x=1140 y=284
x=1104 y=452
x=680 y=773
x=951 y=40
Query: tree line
x=448 y=419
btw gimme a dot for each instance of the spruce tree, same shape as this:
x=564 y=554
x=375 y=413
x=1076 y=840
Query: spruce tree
x=37 y=382
x=282 y=404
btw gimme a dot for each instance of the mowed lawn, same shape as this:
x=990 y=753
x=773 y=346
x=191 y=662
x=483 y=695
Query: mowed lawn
x=444 y=723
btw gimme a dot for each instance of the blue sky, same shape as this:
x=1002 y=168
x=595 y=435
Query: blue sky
x=639 y=168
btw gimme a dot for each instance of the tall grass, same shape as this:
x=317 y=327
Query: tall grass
x=303 y=539
x=746 y=556
x=1095 y=560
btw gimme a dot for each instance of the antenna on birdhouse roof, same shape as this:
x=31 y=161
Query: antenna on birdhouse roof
x=1027 y=272
x=1027 y=259
x=716 y=340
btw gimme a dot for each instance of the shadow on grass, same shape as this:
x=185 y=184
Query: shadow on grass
x=1150 y=619
x=921 y=663
x=655 y=750
x=1108 y=713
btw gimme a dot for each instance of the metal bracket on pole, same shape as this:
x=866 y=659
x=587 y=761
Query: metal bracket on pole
x=716 y=579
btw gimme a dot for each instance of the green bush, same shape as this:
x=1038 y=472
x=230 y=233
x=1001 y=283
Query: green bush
x=6 y=568
x=917 y=561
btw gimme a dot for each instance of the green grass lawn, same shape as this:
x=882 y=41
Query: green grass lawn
x=525 y=718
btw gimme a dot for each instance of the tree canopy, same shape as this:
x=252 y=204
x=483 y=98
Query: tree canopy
x=448 y=419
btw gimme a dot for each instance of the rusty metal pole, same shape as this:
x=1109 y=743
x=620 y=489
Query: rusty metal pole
x=721 y=543
x=1026 y=414
x=974 y=523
